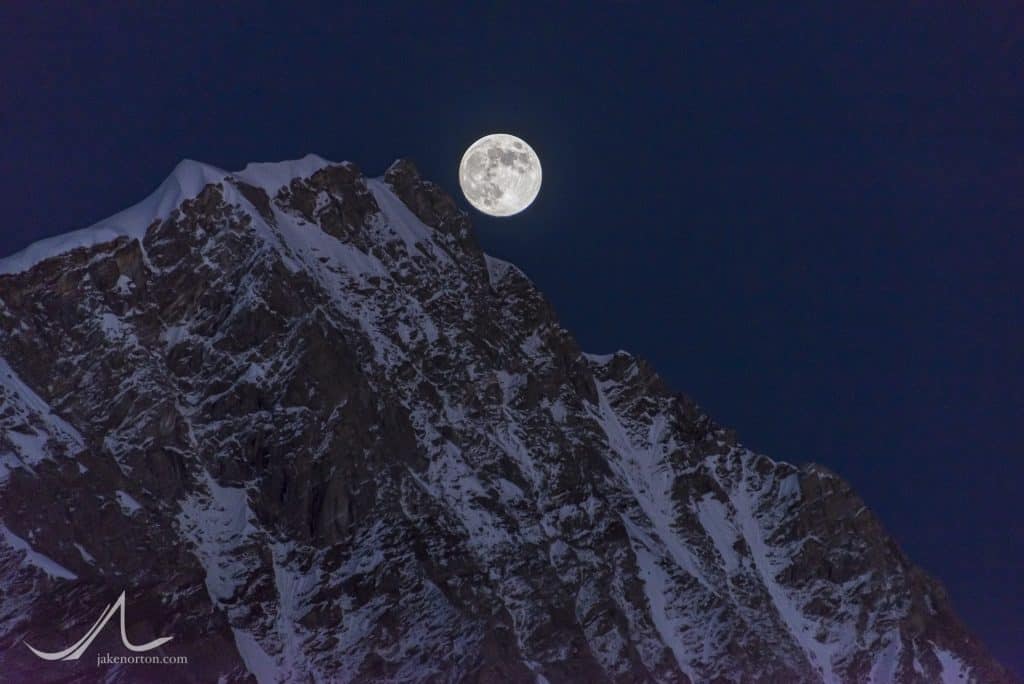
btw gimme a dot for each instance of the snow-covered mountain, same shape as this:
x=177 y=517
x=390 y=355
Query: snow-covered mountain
x=315 y=434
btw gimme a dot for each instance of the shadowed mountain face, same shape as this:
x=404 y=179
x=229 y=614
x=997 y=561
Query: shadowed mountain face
x=314 y=433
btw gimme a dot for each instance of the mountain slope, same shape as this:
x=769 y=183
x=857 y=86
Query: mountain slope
x=316 y=434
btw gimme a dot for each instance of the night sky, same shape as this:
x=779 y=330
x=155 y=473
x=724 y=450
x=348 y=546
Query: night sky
x=808 y=219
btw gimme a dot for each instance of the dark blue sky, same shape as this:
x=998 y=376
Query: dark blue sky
x=810 y=219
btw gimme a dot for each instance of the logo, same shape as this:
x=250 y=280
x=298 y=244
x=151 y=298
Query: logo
x=74 y=651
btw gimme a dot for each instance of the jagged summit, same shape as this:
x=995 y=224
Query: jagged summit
x=184 y=183
x=272 y=176
x=316 y=434
x=403 y=169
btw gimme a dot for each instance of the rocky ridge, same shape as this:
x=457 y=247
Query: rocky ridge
x=315 y=433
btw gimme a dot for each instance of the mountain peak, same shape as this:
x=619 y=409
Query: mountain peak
x=185 y=182
x=402 y=170
x=431 y=204
x=272 y=176
x=355 y=448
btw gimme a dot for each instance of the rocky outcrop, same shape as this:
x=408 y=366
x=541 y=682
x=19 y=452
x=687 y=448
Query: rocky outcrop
x=314 y=433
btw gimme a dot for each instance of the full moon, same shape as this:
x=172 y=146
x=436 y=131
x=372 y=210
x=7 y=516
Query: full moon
x=500 y=174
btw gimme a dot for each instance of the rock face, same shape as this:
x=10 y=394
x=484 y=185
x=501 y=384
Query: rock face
x=316 y=434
